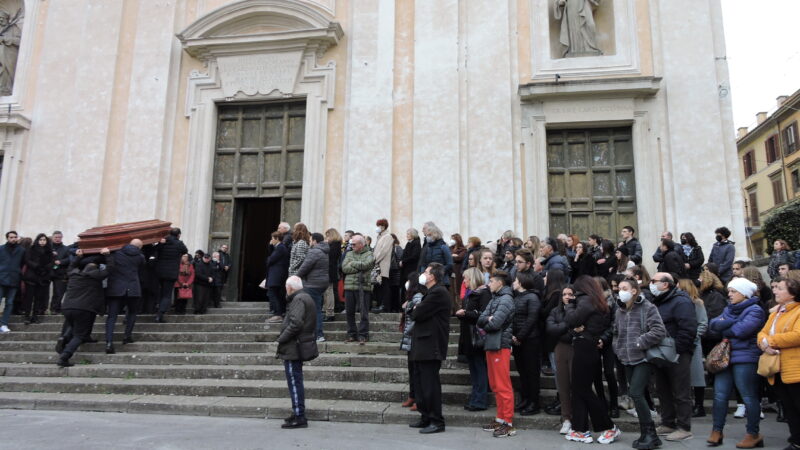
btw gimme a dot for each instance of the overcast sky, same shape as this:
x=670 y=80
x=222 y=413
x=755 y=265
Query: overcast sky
x=763 y=49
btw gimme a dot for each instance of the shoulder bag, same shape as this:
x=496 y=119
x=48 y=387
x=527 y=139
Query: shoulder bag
x=662 y=354
x=719 y=358
x=770 y=365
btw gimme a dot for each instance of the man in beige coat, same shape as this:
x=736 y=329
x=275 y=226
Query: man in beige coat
x=384 y=246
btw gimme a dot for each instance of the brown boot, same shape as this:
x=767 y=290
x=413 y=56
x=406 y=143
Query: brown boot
x=751 y=441
x=715 y=440
x=409 y=401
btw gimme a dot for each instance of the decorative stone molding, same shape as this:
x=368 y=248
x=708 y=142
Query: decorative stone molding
x=258 y=50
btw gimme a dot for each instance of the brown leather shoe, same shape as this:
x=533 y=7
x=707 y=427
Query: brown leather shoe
x=409 y=401
x=715 y=440
x=751 y=441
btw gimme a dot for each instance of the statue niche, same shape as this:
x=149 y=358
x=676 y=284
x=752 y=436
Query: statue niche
x=578 y=36
x=10 y=32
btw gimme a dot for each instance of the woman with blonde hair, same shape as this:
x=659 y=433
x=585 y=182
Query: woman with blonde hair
x=533 y=244
x=475 y=301
x=697 y=372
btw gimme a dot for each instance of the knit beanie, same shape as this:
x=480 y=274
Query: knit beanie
x=743 y=286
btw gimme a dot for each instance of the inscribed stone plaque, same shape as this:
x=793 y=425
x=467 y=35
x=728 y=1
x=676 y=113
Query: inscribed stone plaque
x=259 y=74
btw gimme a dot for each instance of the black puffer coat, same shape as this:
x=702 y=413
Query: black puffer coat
x=582 y=312
x=473 y=305
x=299 y=325
x=168 y=258
x=39 y=260
x=501 y=310
x=557 y=327
x=85 y=287
x=527 y=308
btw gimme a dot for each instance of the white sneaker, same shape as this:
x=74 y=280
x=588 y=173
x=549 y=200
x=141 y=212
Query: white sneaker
x=762 y=415
x=321 y=339
x=739 y=414
x=4 y=329
x=625 y=402
x=609 y=436
x=653 y=414
x=566 y=427
x=632 y=412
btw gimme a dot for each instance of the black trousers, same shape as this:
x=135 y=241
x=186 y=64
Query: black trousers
x=36 y=298
x=78 y=325
x=167 y=290
x=411 y=378
x=115 y=304
x=790 y=396
x=384 y=294
x=674 y=389
x=609 y=362
x=585 y=403
x=202 y=297
x=428 y=391
x=59 y=288
x=216 y=296
x=528 y=361
x=354 y=299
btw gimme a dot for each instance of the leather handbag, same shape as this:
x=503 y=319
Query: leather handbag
x=307 y=350
x=719 y=358
x=662 y=354
x=478 y=337
x=769 y=365
x=375 y=275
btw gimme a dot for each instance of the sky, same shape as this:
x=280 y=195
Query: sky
x=763 y=51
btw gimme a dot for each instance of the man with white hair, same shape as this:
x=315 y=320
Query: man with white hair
x=297 y=343
x=356 y=267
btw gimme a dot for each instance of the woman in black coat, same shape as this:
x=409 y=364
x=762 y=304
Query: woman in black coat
x=526 y=338
x=334 y=255
x=475 y=301
x=583 y=263
x=672 y=262
x=409 y=262
x=39 y=261
x=693 y=256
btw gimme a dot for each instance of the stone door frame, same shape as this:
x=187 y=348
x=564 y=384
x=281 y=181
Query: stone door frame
x=228 y=56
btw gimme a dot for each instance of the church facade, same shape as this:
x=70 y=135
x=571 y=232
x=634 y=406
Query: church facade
x=224 y=117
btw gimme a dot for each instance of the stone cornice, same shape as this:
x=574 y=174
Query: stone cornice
x=610 y=87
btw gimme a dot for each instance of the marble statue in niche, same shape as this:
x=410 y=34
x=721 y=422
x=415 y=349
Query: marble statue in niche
x=9 y=49
x=578 y=35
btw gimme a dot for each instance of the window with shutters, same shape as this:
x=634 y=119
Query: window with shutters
x=772 y=148
x=749 y=164
x=777 y=189
x=790 y=139
x=752 y=200
x=796 y=181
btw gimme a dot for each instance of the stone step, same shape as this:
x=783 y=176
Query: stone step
x=273 y=408
x=211 y=347
x=206 y=336
x=142 y=327
x=16 y=322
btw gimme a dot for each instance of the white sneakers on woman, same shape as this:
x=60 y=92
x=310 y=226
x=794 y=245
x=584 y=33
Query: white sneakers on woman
x=566 y=427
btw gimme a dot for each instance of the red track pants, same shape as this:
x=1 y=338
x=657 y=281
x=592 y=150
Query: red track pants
x=499 y=365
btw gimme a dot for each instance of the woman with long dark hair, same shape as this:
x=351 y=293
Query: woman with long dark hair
x=607 y=261
x=582 y=262
x=588 y=317
x=39 y=263
x=693 y=255
x=526 y=332
x=555 y=281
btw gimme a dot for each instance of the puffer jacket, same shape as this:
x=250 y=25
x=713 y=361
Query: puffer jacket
x=501 y=309
x=356 y=268
x=314 y=270
x=527 y=308
x=405 y=342
x=582 y=312
x=631 y=342
x=679 y=316
x=85 y=286
x=787 y=340
x=778 y=258
x=557 y=327
x=557 y=262
x=297 y=255
x=299 y=324
x=438 y=252
x=168 y=258
x=740 y=323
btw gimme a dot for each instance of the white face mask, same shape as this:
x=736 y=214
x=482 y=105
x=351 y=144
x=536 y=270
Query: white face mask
x=625 y=296
x=429 y=239
x=452 y=243
x=406 y=285
x=423 y=280
x=378 y=230
x=654 y=289
x=351 y=242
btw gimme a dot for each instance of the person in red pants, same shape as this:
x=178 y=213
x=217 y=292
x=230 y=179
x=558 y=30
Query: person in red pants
x=495 y=322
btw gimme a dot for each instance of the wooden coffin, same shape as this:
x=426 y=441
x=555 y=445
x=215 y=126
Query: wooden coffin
x=114 y=237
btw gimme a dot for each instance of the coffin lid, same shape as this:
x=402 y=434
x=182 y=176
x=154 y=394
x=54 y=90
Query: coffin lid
x=116 y=236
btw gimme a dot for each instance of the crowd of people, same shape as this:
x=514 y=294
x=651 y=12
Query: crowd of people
x=586 y=311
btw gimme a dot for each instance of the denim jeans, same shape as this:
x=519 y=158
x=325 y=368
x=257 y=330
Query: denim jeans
x=7 y=292
x=745 y=377
x=317 y=294
x=479 y=376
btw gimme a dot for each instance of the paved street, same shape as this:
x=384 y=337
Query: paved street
x=64 y=430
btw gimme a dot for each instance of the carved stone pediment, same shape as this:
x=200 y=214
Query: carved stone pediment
x=252 y=26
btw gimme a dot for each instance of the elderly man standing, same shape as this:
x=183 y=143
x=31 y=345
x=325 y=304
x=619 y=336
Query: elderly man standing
x=429 y=348
x=297 y=343
x=356 y=268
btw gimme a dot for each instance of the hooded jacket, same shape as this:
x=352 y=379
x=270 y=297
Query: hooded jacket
x=85 y=286
x=11 y=257
x=299 y=325
x=314 y=270
x=631 y=343
x=679 y=317
x=501 y=310
x=740 y=323
x=123 y=280
x=556 y=261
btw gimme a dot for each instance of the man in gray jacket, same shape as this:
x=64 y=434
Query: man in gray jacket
x=297 y=334
x=314 y=273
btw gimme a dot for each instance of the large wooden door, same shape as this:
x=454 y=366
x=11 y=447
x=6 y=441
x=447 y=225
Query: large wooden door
x=259 y=155
x=590 y=181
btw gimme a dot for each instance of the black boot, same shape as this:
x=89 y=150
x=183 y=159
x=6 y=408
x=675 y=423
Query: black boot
x=110 y=349
x=63 y=361
x=780 y=418
x=521 y=405
x=649 y=439
x=553 y=409
x=531 y=410
x=699 y=410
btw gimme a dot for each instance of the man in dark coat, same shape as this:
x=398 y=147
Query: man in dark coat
x=11 y=256
x=633 y=245
x=673 y=383
x=60 y=266
x=298 y=329
x=658 y=256
x=672 y=261
x=203 y=284
x=429 y=348
x=553 y=260
x=314 y=273
x=168 y=260
x=277 y=272
x=124 y=289
x=83 y=301
x=722 y=254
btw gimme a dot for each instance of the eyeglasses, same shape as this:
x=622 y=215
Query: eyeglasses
x=519 y=262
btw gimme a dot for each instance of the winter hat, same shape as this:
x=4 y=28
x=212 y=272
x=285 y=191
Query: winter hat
x=743 y=286
x=624 y=250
